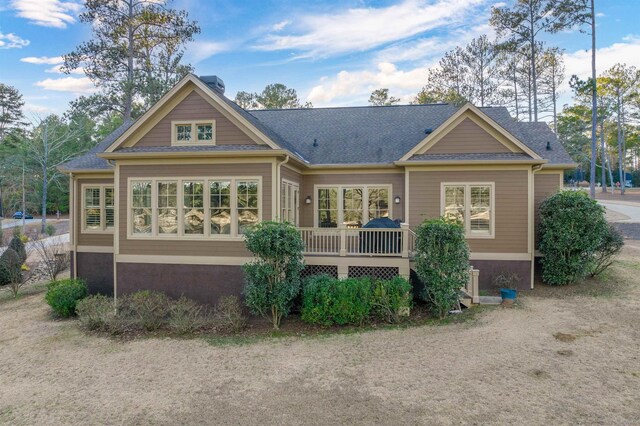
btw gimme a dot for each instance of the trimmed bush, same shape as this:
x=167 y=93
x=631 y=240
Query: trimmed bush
x=611 y=244
x=50 y=229
x=273 y=279
x=18 y=246
x=228 y=314
x=572 y=230
x=187 y=316
x=329 y=301
x=390 y=297
x=442 y=263
x=10 y=266
x=148 y=308
x=64 y=295
x=95 y=312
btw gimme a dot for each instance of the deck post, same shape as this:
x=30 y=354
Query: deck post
x=343 y=241
x=405 y=240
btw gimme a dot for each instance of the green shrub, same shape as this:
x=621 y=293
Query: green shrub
x=18 y=246
x=273 y=279
x=328 y=301
x=506 y=280
x=611 y=244
x=187 y=316
x=10 y=266
x=572 y=229
x=229 y=316
x=50 y=229
x=442 y=263
x=149 y=309
x=390 y=298
x=63 y=296
x=95 y=312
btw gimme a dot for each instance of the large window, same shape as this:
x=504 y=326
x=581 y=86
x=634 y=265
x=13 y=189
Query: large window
x=471 y=205
x=351 y=206
x=209 y=207
x=97 y=208
x=193 y=132
x=289 y=196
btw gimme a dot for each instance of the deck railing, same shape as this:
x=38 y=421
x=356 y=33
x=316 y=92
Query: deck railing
x=389 y=242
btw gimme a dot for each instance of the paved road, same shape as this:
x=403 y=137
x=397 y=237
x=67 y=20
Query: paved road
x=10 y=223
x=30 y=246
x=632 y=210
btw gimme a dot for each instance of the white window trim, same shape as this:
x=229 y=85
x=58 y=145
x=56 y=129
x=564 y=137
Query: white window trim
x=154 y=235
x=194 y=132
x=467 y=207
x=294 y=186
x=365 y=201
x=104 y=229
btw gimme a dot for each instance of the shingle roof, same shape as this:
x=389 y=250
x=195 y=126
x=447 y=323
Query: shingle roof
x=471 y=156
x=194 y=148
x=350 y=135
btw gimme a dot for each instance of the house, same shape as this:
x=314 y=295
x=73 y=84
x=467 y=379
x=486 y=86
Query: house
x=162 y=203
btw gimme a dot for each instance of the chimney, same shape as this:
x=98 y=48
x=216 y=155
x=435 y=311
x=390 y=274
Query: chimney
x=214 y=82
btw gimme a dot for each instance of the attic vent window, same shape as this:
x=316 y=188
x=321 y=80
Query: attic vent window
x=200 y=132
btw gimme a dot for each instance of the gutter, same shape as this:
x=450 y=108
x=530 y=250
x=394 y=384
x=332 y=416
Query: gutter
x=469 y=162
x=190 y=154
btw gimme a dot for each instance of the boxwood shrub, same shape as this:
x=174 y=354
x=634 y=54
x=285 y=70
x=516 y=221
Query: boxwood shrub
x=329 y=301
x=390 y=297
x=64 y=295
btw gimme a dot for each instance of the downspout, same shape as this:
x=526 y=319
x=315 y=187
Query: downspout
x=532 y=220
x=72 y=225
x=279 y=185
x=116 y=232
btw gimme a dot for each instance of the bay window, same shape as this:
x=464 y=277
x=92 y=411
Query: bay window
x=351 y=206
x=97 y=208
x=209 y=207
x=471 y=205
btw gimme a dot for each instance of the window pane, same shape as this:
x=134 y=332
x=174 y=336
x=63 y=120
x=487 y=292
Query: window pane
x=92 y=208
x=167 y=207
x=183 y=132
x=327 y=207
x=247 y=193
x=193 y=208
x=378 y=203
x=454 y=203
x=109 y=211
x=141 y=207
x=205 y=132
x=352 y=207
x=480 y=220
x=220 y=198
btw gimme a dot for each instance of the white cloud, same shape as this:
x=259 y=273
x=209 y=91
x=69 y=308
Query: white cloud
x=12 y=41
x=33 y=109
x=360 y=29
x=355 y=86
x=579 y=62
x=77 y=85
x=198 y=51
x=47 y=13
x=43 y=60
x=280 y=25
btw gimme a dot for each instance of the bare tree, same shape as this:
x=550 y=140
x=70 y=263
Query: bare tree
x=54 y=255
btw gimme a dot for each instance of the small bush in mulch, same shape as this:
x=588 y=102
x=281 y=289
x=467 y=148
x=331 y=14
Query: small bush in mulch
x=64 y=295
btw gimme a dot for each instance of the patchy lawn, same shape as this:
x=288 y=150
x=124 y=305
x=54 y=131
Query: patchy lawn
x=568 y=355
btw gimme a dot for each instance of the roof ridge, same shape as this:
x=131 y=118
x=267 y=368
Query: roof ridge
x=346 y=107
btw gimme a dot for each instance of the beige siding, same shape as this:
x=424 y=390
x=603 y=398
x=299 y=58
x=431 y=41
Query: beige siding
x=190 y=247
x=467 y=137
x=97 y=239
x=308 y=182
x=194 y=107
x=290 y=175
x=545 y=184
x=511 y=200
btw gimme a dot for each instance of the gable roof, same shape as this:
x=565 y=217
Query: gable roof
x=349 y=135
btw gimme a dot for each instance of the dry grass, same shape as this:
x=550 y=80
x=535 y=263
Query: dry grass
x=507 y=366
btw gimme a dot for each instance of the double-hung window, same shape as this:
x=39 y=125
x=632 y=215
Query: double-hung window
x=200 y=132
x=289 y=197
x=193 y=207
x=98 y=208
x=351 y=206
x=472 y=205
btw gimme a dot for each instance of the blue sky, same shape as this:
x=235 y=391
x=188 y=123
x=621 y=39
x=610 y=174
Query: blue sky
x=331 y=52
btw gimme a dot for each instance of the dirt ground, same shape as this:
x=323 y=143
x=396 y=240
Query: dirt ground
x=563 y=356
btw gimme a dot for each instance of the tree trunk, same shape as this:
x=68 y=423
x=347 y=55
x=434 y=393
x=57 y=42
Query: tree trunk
x=128 y=92
x=594 y=103
x=534 y=74
x=603 y=174
x=45 y=180
x=620 y=142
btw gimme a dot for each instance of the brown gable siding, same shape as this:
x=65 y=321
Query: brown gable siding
x=205 y=247
x=194 y=107
x=467 y=137
x=307 y=189
x=511 y=198
x=545 y=185
x=290 y=175
x=97 y=239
